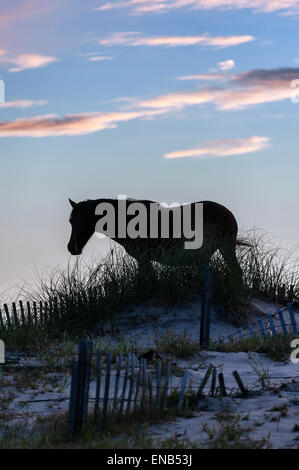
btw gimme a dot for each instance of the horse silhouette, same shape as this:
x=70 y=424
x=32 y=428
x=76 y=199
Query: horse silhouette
x=219 y=231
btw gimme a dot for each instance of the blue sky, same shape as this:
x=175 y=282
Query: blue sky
x=174 y=100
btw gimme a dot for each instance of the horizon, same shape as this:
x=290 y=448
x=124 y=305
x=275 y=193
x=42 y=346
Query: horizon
x=163 y=100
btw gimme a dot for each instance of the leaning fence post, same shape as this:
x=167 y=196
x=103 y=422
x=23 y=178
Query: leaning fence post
x=213 y=384
x=7 y=314
x=203 y=383
x=222 y=384
x=206 y=307
x=240 y=383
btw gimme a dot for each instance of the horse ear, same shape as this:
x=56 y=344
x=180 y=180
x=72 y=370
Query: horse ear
x=72 y=203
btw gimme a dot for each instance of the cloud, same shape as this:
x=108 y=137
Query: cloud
x=27 y=61
x=74 y=124
x=22 y=104
x=99 y=58
x=23 y=10
x=226 y=65
x=242 y=90
x=202 y=76
x=286 y=7
x=133 y=38
x=223 y=148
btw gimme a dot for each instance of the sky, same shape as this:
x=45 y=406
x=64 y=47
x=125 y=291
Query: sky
x=168 y=100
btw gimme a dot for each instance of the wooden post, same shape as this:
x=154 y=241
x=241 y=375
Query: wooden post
x=98 y=389
x=132 y=380
x=203 y=383
x=116 y=384
x=22 y=312
x=262 y=329
x=6 y=309
x=206 y=307
x=240 y=384
x=138 y=384
x=166 y=384
x=213 y=384
x=272 y=326
x=183 y=388
x=292 y=318
x=158 y=385
x=35 y=313
x=107 y=384
x=282 y=322
x=15 y=314
x=124 y=385
x=222 y=384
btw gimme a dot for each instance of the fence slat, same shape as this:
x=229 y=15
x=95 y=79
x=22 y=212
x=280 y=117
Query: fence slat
x=213 y=384
x=35 y=313
x=167 y=378
x=272 y=326
x=158 y=385
x=240 y=383
x=98 y=388
x=292 y=318
x=206 y=307
x=150 y=389
x=124 y=385
x=86 y=369
x=107 y=384
x=6 y=309
x=203 y=383
x=262 y=329
x=119 y=362
x=183 y=388
x=132 y=380
x=138 y=384
x=143 y=386
x=15 y=313
x=222 y=384
x=73 y=425
x=282 y=322
x=22 y=312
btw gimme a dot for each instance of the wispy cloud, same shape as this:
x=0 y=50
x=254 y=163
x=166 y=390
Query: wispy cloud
x=22 y=10
x=99 y=58
x=241 y=91
x=286 y=7
x=74 y=124
x=22 y=104
x=27 y=61
x=133 y=38
x=226 y=65
x=203 y=77
x=223 y=148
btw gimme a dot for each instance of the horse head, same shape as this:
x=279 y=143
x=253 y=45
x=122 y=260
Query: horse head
x=82 y=220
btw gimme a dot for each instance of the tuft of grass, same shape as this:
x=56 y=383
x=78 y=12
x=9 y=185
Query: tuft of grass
x=181 y=345
x=277 y=348
x=229 y=434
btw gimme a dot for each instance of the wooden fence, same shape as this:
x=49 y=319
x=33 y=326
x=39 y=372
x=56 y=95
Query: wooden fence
x=135 y=389
x=282 y=322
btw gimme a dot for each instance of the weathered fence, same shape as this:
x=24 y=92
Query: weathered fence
x=31 y=313
x=282 y=322
x=135 y=388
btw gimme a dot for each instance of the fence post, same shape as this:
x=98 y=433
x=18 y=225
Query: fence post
x=78 y=407
x=98 y=389
x=132 y=380
x=282 y=322
x=107 y=384
x=116 y=384
x=206 y=307
x=203 y=383
x=166 y=384
x=292 y=318
x=183 y=388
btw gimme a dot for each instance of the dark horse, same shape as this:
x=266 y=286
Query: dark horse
x=219 y=233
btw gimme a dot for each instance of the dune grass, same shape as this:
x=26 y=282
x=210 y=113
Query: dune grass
x=90 y=295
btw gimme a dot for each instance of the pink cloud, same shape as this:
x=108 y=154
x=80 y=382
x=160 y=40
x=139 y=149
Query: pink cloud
x=70 y=125
x=286 y=7
x=27 y=61
x=133 y=38
x=22 y=104
x=223 y=148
